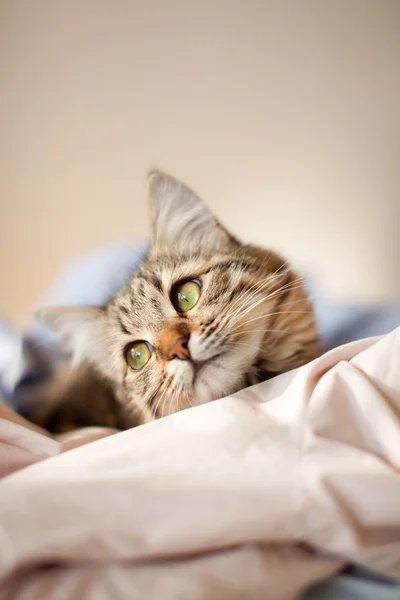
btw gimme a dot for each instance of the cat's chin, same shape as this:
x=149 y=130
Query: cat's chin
x=209 y=378
x=219 y=372
x=212 y=381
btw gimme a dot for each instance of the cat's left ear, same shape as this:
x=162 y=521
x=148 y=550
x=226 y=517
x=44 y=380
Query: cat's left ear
x=79 y=328
x=181 y=219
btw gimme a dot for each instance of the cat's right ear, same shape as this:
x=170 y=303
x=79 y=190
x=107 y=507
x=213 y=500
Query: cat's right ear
x=181 y=220
x=79 y=328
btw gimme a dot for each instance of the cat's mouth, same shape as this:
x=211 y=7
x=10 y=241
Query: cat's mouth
x=200 y=365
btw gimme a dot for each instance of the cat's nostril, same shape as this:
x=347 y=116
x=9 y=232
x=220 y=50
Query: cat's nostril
x=178 y=349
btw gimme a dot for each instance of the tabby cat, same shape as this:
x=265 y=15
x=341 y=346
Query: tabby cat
x=202 y=317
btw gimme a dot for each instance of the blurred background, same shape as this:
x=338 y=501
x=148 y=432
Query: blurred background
x=283 y=115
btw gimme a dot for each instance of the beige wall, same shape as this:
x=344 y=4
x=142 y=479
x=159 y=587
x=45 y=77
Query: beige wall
x=283 y=115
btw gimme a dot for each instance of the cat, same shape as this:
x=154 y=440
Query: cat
x=202 y=317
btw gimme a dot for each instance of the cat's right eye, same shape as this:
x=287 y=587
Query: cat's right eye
x=186 y=295
x=138 y=354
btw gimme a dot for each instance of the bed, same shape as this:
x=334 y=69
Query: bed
x=274 y=492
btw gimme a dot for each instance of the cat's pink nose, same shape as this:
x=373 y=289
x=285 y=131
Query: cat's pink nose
x=173 y=342
x=178 y=349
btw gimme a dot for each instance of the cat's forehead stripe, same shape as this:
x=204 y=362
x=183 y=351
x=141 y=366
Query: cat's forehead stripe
x=121 y=324
x=123 y=309
x=150 y=278
x=234 y=265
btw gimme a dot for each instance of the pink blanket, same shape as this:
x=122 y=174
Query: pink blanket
x=258 y=495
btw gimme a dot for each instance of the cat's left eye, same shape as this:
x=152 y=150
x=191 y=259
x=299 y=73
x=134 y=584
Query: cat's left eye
x=137 y=354
x=186 y=295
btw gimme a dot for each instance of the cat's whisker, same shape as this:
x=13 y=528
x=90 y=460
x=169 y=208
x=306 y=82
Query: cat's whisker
x=263 y=284
x=251 y=346
x=294 y=302
x=259 y=285
x=279 y=292
x=172 y=400
x=244 y=298
x=262 y=330
x=285 y=288
x=175 y=399
x=230 y=317
x=169 y=404
x=189 y=400
x=256 y=287
x=160 y=400
x=284 y=312
x=139 y=411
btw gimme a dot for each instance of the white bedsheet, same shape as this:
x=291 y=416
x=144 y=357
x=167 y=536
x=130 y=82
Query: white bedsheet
x=258 y=495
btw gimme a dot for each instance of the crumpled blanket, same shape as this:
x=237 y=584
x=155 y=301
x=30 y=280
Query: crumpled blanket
x=22 y=443
x=258 y=495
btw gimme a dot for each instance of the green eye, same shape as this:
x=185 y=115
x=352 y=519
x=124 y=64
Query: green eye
x=138 y=354
x=186 y=295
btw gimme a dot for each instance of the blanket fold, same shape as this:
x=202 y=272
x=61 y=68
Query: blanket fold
x=257 y=495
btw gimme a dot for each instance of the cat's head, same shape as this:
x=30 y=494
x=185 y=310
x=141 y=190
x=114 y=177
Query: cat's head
x=202 y=317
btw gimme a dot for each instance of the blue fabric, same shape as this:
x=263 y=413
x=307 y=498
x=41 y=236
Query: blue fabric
x=355 y=585
x=340 y=323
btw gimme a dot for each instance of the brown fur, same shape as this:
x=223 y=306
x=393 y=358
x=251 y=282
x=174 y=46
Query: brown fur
x=252 y=321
